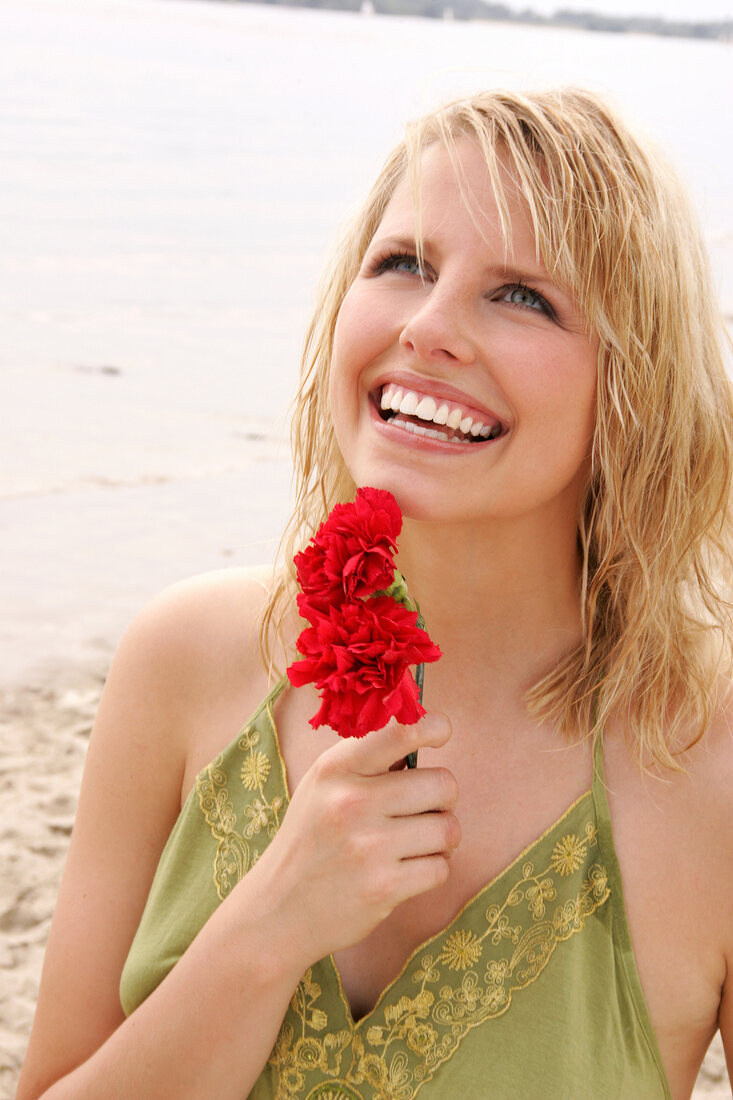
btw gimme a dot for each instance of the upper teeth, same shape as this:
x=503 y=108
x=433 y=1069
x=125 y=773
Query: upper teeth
x=411 y=403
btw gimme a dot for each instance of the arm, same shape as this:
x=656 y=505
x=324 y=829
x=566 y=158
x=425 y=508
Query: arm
x=185 y=1040
x=724 y=861
x=725 y=1020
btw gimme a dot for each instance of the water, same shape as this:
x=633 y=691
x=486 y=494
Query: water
x=172 y=173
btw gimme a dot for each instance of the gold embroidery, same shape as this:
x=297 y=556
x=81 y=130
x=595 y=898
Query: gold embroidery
x=255 y=770
x=406 y=1040
x=461 y=950
x=332 y=1090
x=468 y=976
x=234 y=853
x=568 y=854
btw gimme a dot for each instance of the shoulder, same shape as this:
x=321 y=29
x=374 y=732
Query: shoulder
x=186 y=620
x=673 y=831
x=709 y=766
x=716 y=748
x=719 y=788
x=702 y=796
x=703 y=813
x=197 y=626
x=192 y=652
x=185 y=670
x=714 y=760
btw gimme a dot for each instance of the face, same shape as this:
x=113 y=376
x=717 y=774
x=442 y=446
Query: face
x=465 y=386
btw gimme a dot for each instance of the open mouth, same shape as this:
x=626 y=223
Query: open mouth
x=434 y=418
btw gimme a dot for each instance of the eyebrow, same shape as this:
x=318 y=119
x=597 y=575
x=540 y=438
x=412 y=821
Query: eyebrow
x=510 y=273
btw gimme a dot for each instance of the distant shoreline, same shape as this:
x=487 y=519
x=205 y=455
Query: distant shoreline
x=464 y=10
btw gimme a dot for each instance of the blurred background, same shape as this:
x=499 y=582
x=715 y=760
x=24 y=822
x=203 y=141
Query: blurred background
x=172 y=175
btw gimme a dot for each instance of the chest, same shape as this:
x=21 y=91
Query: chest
x=507 y=800
x=510 y=796
x=368 y=969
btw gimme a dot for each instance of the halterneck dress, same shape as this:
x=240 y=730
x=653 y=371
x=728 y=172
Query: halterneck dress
x=531 y=992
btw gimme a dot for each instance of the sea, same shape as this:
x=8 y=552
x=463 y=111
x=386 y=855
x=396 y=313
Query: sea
x=173 y=174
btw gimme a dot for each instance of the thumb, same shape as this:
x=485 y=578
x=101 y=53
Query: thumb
x=378 y=751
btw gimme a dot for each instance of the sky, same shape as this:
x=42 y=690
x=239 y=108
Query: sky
x=688 y=10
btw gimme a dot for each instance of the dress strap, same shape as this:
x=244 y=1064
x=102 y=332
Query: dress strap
x=621 y=933
x=273 y=694
x=599 y=776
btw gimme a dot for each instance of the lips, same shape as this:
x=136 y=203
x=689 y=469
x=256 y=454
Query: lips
x=435 y=417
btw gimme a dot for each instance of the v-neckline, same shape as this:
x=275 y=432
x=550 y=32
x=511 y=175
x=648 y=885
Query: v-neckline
x=445 y=932
x=473 y=901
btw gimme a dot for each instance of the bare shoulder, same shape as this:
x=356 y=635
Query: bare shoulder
x=194 y=644
x=718 y=745
x=700 y=800
x=189 y=620
x=710 y=783
x=719 y=761
x=716 y=786
x=203 y=638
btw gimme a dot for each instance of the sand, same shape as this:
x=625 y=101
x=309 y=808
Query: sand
x=44 y=734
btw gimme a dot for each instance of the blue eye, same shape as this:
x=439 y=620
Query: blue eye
x=399 y=261
x=525 y=298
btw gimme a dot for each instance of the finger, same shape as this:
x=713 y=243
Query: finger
x=417 y=876
x=375 y=753
x=417 y=791
x=425 y=835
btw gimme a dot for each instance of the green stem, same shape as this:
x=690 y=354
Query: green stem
x=419 y=677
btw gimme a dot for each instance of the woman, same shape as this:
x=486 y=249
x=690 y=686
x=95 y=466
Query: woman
x=518 y=339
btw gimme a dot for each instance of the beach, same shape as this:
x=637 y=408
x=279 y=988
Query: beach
x=173 y=176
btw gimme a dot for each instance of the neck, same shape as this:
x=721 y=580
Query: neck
x=503 y=604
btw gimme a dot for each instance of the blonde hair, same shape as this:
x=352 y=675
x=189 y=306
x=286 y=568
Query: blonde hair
x=613 y=226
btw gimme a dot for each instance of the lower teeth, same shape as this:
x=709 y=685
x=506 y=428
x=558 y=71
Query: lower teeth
x=431 y=433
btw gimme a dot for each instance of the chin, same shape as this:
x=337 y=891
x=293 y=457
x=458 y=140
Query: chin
x=417 y=498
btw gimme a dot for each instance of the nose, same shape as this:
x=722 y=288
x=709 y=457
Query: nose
x=438 y=331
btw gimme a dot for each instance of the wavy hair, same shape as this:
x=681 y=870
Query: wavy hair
x=655 y=528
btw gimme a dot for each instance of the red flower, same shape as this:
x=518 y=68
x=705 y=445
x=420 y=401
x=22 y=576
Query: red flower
x=358 y=656
x=350 y=556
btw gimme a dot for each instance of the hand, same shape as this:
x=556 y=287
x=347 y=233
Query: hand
x=359 y=838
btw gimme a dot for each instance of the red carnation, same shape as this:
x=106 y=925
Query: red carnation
x=350 y=556
x=358 y=656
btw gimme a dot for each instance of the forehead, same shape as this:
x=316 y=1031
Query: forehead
x=447 y=190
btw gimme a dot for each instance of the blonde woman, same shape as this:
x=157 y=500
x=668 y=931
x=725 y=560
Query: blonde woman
x=518 y=338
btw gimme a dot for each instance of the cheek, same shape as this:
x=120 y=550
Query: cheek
x=351 y=320
x=356 y=346
x=368 y=324
x=343 y=387
x=573 y=389
x=564 y=401
x=345 y=345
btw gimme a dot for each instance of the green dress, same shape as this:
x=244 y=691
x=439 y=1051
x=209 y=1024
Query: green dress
x=531 y=993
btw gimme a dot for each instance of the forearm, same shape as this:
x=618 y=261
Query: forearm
x=209 y=1027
